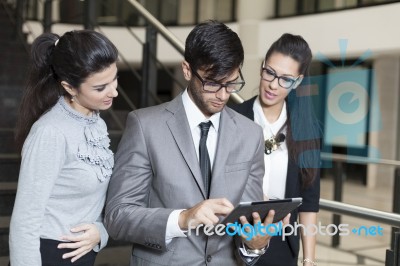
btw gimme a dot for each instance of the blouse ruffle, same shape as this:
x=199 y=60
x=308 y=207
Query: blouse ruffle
x=95 y=150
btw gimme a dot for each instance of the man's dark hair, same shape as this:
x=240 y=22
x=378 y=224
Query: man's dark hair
x=214 y=48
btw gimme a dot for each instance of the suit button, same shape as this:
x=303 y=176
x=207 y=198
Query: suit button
x=209 y=258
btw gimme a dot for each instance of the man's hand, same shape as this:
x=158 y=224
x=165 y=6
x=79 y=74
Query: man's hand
x=205 y=213
x=259 y=241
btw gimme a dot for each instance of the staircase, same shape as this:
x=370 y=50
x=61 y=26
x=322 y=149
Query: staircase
x=13 y=74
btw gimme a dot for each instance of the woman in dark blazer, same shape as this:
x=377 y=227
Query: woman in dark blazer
x=292 y=144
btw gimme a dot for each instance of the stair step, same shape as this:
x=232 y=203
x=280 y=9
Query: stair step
x=8 y=121
x=10 y=41
x=4 y=231
x=7 y=143
x=7 y=29
x=8 y=186
x=4 y=251
x=9 y=169
x=10 y=79
x=5 y=259
x=8 y=191
x=5 y=221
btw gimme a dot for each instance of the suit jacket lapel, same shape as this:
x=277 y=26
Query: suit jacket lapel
x=226 y=133
x=179 y=127
x=226 y=138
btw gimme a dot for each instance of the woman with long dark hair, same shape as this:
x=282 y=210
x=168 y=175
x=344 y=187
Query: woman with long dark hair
x=284 y=110
x=66 y=161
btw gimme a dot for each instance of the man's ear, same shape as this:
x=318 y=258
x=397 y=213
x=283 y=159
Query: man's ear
x=187 y=72
x=298 y=81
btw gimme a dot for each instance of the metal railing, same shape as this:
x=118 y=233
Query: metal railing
x=339 y=179
x=388 y=218
x=392 y=255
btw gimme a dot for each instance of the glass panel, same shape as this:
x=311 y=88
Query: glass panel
x=71 y=11
x=31 y=10
x=108 y=12
x=370 y=2
x=206 y=10
x=287 y=8
x=223 y=10
x=187 y=9
x=349 y=3
x=168 y=12
x=326 y=5
x=152 y=7
x=308 y=6
x=130 y=16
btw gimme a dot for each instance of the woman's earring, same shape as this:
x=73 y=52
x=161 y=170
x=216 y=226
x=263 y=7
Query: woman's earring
x=73 y=98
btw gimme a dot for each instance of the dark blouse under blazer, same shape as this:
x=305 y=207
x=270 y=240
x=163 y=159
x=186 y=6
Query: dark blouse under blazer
x=286 y=252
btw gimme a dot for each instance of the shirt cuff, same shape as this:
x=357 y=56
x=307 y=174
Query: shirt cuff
x=244 y=252
x=173 y=229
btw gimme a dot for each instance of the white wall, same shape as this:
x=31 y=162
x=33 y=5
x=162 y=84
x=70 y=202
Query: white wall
x=374 y=28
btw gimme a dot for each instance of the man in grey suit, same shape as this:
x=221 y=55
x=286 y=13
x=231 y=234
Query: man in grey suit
x=161 y=183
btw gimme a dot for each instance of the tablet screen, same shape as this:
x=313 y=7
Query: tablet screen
x=281 y=207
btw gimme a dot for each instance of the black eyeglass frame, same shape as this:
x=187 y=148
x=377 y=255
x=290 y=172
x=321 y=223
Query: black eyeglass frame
x=263 y=68
x=221 y=85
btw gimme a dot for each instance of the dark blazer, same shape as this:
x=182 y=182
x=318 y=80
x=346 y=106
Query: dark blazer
x=286 y=252
x=157 y=170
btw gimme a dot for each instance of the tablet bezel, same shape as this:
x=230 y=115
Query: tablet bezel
x=281 y=207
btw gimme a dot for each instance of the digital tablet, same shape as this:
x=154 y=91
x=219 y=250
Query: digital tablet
x=281 y=207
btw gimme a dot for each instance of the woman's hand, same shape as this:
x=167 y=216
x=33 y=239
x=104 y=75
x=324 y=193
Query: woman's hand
x=83 y=243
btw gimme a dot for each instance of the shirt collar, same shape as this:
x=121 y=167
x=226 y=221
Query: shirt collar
x=259 y=114
x=195 y=116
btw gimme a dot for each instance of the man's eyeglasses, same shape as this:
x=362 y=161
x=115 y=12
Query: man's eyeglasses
x=269 y=74
x=213 y=87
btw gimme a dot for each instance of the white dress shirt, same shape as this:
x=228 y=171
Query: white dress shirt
x=274 y=182
x=195 y=117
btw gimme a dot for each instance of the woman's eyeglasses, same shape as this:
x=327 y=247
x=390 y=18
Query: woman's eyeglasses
x=269 y=75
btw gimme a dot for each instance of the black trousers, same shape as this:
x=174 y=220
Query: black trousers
x=52 y=256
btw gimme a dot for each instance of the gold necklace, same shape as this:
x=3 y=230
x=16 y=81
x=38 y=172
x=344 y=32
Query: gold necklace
x=273 y=143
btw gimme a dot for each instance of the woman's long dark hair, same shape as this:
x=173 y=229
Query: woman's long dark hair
x=303 y=129
x=72 y=57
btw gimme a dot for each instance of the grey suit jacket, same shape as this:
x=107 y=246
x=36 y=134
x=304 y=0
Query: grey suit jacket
x=157 y=171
